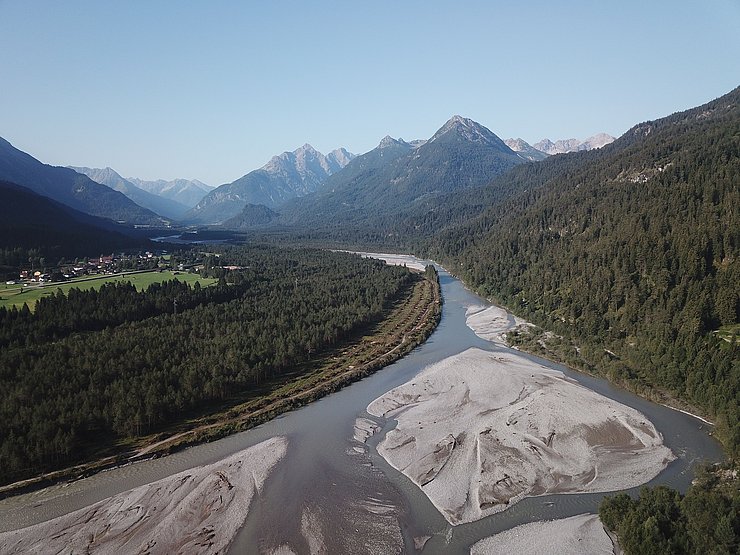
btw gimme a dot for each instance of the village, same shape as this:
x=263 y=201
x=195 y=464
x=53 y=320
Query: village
x=111 y=264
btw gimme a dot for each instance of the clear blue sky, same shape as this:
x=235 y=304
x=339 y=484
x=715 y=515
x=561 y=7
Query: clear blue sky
x=211 y=90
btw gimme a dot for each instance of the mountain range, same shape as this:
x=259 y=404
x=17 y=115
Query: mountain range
x=524 y=149
x=546 y=147
x=397 y=175
x=156 y=203
x=186 y=192
x=460 y=155
x=564 y=146
x=284 y=177
x=68 y=187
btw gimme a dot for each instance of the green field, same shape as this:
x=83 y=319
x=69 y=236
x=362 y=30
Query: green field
x=16 y=295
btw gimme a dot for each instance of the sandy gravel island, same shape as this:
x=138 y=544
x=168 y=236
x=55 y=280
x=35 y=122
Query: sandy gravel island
x=492 y=323
x=196 y=511
x=395 y=259
x=479 y=430
x=577 y=535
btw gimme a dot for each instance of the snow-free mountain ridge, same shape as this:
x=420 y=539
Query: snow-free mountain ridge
x=284 y=177
x=525 y=150
x=396 y=176
x=110 y=178
x=73 y=189
x=563 y=146
x=188 y=192
x=546 y=147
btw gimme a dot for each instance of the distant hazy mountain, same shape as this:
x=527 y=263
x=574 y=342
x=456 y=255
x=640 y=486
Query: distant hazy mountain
x=187 y=192
x=155 y=203
x=31 y=221
x=289 y=175
x=71 y=188
x=339 y=158
x=397 y=175
x=573 y=145
x=251 y=216
x=525 y=150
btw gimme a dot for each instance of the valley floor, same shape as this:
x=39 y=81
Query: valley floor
x=404 y=325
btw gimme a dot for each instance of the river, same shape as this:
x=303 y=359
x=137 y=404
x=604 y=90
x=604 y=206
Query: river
x=330 y=482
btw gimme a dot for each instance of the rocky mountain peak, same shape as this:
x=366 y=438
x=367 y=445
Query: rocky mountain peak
x=562 y=146
x=306 y=149
x=525 y=150
x=468 y=130
x=389 y=141
x=517 y=145
x=340 y=156
x=598 y=140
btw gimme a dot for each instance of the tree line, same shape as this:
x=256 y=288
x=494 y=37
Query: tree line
x=661 y=522
x=114 y=364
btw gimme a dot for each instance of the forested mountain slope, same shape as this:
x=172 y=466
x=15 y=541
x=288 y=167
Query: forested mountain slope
x=632 y=248
x=110 y=178
x=462 y=154
x=71 y=188
x=33 y=225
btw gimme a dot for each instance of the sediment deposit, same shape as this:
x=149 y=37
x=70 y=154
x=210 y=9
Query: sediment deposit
x=480 y=430
x=196 y=511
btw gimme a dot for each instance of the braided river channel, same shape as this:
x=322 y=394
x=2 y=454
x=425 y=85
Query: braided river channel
x=332 y=493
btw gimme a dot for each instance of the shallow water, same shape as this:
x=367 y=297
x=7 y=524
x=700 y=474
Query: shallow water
x=322 y=476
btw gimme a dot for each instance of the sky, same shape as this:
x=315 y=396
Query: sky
x=212 y=90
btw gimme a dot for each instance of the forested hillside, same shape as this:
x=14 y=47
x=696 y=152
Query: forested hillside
x=631 y=252
x=35 y=226
x=71 y=188
x=661 y=522
x=90 y=369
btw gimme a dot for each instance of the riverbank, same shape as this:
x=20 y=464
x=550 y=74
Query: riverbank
x=543 y=343
x=199 y=510
x=479 y=431
x=577 y=535
x=404 y=325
